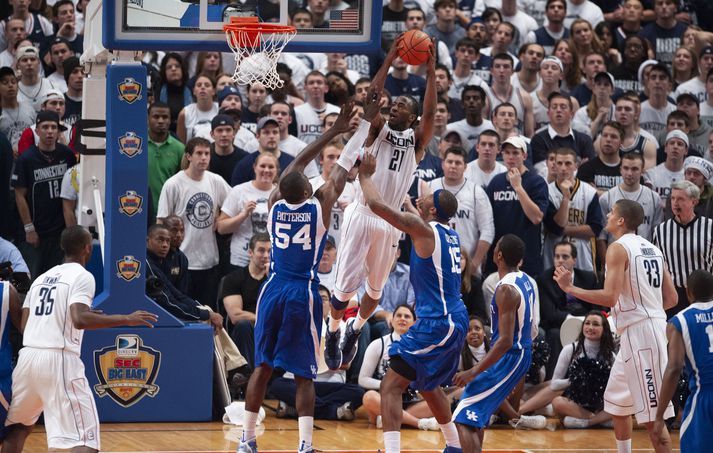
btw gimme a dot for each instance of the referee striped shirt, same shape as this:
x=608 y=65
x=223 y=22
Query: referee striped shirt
x=685 y=248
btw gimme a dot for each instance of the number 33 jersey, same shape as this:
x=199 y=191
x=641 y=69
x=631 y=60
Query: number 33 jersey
x=395 y=153
x=642 y=297
x=49 y=325
x=298 y=235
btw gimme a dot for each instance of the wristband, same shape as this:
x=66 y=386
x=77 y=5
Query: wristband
x=30 y=227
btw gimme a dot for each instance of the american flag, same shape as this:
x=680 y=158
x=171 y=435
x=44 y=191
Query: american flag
x=346 y=19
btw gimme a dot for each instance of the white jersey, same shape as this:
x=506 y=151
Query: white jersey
x=197 y=121
x=515 y=99
x=49 y=325
x=310 y=122
x=706 y=115
x=641 y=297
x=647 y=198
x=539 y=111
x=33 y=94
x=660 y=178
x=469 y=134
x=395 y=153
x=238 y=197
x=481 y=178
x=695 y=87
x=337 y=214
x=653 y=120
x=474 y=219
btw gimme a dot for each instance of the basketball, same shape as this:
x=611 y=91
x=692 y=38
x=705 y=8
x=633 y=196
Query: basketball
x=415 y=49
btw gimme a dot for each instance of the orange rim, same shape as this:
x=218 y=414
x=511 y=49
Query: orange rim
x=250 y=29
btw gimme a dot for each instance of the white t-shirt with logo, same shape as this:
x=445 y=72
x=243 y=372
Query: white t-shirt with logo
x=197 y=203
x=238 y=197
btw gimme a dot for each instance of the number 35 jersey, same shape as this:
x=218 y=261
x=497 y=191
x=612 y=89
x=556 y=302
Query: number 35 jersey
x=395 y=153
x=49 y=325
x=641 y=297
x=298 y=235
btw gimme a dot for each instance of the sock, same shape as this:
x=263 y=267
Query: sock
x=334 y=324
x=249 y=422
x=359 y=322
x=350 y=153
x=305 y=427
x=623 y=446
x=392 y=442
x=450 y=433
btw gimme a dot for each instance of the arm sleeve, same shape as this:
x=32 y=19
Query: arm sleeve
x=175 y=302
x=165 y=202
x=350 y=153
x=82 y=291
x=558 y=376
x=27 y=139
x=233 y=203
x=67 y=191
x=368 y=366
x=484 y=215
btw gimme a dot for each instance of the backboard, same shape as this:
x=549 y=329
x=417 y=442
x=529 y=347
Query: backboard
x=183 y=25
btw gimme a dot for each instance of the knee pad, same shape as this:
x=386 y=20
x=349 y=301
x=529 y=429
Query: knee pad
x=338 y=304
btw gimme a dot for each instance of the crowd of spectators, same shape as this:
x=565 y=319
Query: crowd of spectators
x=548 y=112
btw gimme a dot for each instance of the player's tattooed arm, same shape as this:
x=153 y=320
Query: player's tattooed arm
x=676 y=355
x=409 y=223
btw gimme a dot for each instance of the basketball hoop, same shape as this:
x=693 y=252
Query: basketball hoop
x=257 y=46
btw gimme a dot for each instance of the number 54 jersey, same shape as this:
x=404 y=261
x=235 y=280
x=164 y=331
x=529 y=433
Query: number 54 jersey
x=49 y=325
x=641 y=297
x=298 y=236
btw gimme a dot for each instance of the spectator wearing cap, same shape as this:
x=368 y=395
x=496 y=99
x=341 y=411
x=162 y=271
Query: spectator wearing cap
x=656 y=108
x=54 y=101
x=551 y=74
x=37 y=27
x=63 y=14
x=32 y=87
x=590 y=118
x=559 y=133
x=14 y=33
x=519 y=199
x=699 y=84
x=37 y=179
x=663 y=175
x=554 y=30
x=74 y=77
x=59 y=50
x=686 y=239
x=665 y=33
x=268 y=137
x=165 y=153
x=224 y=155
x=697 y=131
x=244 y=138
x=698 y=171
x=16 y=116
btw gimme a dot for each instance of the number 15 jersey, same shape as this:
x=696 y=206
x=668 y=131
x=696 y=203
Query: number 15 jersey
x=49 y=325
x=642 y=297
x=298 y=236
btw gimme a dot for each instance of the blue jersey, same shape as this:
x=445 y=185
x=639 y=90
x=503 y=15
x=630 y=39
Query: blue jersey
x=522 y=337
x=297 y=234
x=696 y=326
x=436 y=280
x=5 y=347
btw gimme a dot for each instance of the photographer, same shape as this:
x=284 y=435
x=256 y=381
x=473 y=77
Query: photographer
x=13 y=267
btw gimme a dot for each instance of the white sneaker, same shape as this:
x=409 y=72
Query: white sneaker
x=379 y=422
x=345 y=411
x=529 y=422
x=575 y=423
x=428 y=424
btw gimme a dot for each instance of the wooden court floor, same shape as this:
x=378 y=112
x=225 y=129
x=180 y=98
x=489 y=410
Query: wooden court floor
x=355 y=436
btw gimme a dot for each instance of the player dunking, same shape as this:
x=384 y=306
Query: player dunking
x=495 y=377
x=289 y=309
x=368 y=245
x=639 y=288
x=690 y=339
x=428 y=353
x=49 y=375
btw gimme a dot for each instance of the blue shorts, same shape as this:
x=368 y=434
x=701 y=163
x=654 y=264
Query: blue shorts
x=484 y=394
x=6 y=390
x=697 y=421
x=432 y=347
x=288 y=326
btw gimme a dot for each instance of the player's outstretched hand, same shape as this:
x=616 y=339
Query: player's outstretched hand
x=395 y=47
x=462 y=378
x=432 y=53
x=342 y=123
x=141 y=318
x=367 y=166
x=563 y=277
x=372 y=104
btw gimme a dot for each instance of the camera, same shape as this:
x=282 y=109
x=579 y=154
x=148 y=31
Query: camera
x=154 y=286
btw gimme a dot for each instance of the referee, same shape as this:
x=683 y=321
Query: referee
x=686 y=240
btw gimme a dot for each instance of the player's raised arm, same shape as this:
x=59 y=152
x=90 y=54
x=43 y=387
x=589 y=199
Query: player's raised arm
x=507 y=299
x=613 y=285
x=424 y=131
x=85 y=318
x=676 y=356
x=377 y=83
x=409 y=223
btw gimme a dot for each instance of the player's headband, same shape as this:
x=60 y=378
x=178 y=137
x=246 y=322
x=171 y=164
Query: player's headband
x=437 y=204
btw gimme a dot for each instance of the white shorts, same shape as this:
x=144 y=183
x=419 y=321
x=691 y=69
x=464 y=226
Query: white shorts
x=53 y=381
x=366 y=252
x=635 y=381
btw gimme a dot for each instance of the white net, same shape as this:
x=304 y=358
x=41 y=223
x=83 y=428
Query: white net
x=256 y=54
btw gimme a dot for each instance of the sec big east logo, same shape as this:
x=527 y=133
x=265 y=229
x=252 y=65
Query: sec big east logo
x=130 y=203
x=129 y=90
x=130 y=144
x=128 y=268
x=127 y=370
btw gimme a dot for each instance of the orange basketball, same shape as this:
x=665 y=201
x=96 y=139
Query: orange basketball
x=415 y=49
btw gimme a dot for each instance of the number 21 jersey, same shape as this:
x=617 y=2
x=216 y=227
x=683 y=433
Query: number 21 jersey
x=642 y=297
x=49 y=325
